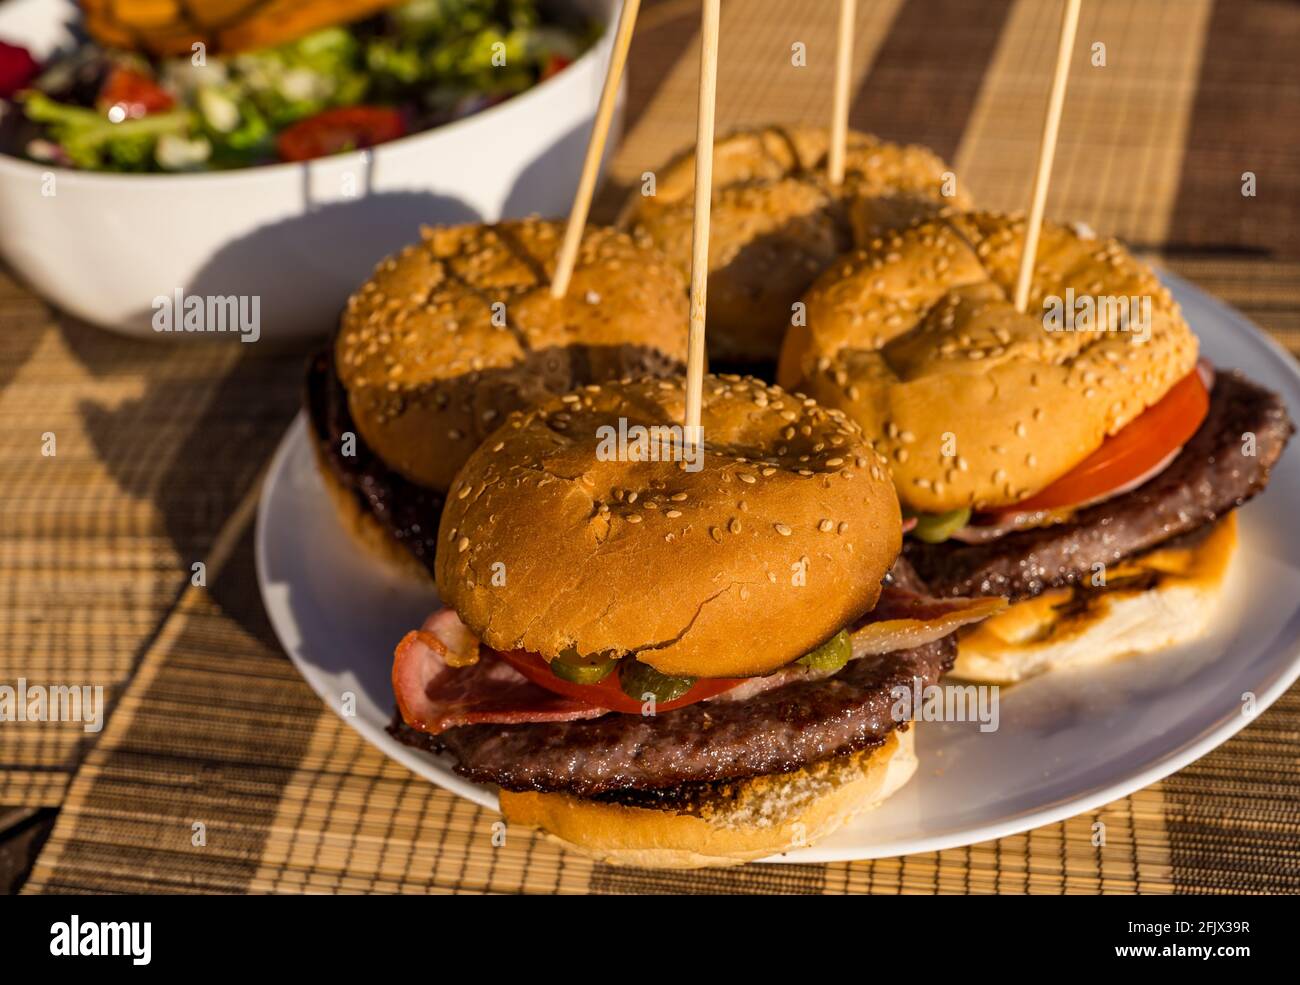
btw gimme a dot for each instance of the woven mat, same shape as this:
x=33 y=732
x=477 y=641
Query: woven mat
x=219 y=770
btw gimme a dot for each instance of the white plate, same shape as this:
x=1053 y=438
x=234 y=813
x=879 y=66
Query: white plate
x=1067 y=743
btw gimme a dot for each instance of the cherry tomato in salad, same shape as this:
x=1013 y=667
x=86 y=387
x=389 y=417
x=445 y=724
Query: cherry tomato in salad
x=334 y=131
x=554 y=66
x=17 y=68
x=1136 y=449
x=608 y=693
x=128 y=95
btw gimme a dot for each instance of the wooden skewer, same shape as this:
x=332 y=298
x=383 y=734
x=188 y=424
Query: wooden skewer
x=1047 y=152
x=710 y=15
x=840 y=100
x=595 y=150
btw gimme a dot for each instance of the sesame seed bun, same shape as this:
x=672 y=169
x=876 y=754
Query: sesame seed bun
x=975 y=404
x=1149 y=603
x=453 y=333
x=740 y=822
x=779 y=541
x=776 y=222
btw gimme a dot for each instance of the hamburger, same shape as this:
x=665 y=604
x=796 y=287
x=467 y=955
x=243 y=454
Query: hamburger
x=1077 y=458
x=673 y=657
x=451 y=335
x=777 y=222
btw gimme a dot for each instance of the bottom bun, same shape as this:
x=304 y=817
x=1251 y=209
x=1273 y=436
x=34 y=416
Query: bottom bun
x=1151 y=602
x=372 y=535
x=738 y=822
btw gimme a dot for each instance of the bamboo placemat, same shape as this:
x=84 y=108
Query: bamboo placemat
x=221 y=771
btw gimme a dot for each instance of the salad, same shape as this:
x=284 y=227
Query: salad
x=413 y=67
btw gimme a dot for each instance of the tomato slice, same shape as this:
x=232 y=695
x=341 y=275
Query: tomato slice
x=334 y=131
x=133 y=93
x=607 y=694
x=17 y=68
x=555 y=64
x=1140 y=446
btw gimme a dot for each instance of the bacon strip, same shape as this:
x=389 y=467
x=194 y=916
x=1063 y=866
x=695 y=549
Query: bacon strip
x=434 y=694
x=903 y=619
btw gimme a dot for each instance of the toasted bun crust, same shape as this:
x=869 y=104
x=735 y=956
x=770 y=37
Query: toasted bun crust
x=780 y=540
x=453 y=333
x=777 y=223
x=763 y=816
x=974 y=403
x=1170 y=596
x=370 y=535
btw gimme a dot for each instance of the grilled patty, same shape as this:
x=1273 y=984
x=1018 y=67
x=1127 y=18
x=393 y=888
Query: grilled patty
x=1210 y=477
x=408 y=511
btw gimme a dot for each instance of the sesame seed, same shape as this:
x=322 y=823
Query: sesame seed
x=462 y=545
x=782 y=529
x=826 y=526
x=633 y=518
x=673 y=514
x=734 y=525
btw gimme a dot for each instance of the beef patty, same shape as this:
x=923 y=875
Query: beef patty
x=1210 y=477
x=408 y=511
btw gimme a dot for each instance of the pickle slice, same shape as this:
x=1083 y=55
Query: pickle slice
x=638 y=679
x=576 y=669
x=935 y=528
x=831 y=655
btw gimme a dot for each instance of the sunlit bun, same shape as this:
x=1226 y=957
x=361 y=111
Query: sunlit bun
x=776 y=221
x=779 y=541
x=453 y=333
x=741 y=821
x=916 y=338
x=1149 y=603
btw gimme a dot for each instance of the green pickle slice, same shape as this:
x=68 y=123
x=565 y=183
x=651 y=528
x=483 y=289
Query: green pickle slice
x=935 y=528
x=831 y=655
x=570 y=666
x=639 y=679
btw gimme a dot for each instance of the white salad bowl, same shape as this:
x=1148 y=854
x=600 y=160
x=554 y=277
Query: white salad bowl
x=297 y=238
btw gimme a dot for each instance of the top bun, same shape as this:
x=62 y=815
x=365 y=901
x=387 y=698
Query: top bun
x=916 y=338
x=777 y=222
x=453 y=333
x=778 y=542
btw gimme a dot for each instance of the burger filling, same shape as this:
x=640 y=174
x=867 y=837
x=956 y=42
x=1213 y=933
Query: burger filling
x=1189 y=460
x=509 y=718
